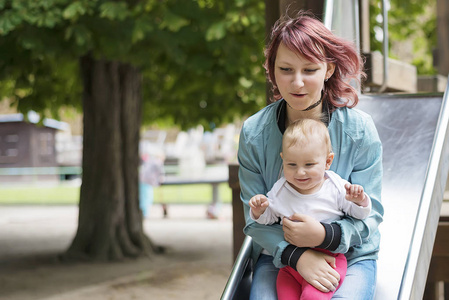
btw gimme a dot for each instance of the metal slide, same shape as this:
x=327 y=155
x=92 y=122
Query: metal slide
x=414 y=133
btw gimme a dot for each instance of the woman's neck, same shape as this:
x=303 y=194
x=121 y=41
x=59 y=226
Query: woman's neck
x=293 y=115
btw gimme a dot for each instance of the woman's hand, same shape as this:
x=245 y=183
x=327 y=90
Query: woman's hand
x=318 y=269
x=303 y=231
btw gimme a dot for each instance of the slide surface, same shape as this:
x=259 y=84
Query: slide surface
x=415 y=161
x=407 y=126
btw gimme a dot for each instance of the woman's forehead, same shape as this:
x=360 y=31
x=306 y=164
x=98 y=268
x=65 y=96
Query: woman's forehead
x=285 y=53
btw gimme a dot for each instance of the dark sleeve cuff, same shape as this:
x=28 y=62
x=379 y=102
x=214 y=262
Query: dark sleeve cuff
x=291 y=255
x=332 y=238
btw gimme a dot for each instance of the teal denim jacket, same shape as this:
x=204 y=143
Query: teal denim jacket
x=358 y=159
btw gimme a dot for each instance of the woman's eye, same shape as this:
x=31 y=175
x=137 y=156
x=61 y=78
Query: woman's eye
x=285 y=69
x=311 y=70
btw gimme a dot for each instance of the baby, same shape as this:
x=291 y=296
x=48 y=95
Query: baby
x=309 y=187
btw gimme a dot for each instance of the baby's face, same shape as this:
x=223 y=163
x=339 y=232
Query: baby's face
x=305 y=164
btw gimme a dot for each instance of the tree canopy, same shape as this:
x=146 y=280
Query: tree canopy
x=201 y=60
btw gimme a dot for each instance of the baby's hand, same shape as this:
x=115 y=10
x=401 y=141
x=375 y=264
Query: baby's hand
x=355 y=193
x=258 y=204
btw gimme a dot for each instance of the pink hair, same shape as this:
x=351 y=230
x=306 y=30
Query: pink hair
x=311 y=39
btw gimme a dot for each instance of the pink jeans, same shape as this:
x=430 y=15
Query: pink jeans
x=290 y=285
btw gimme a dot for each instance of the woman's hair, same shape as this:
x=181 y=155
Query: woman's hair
x=303 y=130
x=309 y=37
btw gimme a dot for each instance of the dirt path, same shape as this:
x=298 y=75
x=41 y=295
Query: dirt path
x=196 y=265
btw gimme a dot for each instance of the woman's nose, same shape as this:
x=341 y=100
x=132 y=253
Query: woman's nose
x=297 y=81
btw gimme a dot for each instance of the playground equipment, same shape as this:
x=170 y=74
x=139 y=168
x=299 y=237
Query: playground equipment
x=414 y=133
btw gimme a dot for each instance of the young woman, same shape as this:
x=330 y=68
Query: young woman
x=310 y=69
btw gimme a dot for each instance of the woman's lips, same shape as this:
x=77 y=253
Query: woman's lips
x=297 y=95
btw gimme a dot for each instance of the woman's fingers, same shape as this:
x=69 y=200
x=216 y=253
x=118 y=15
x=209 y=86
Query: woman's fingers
x=327 y=282
x=303 y=231
x=319 y=286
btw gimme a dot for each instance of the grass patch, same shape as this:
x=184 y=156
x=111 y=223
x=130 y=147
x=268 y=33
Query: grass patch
x=59 y=194
x=69 y=194
x=195 y=193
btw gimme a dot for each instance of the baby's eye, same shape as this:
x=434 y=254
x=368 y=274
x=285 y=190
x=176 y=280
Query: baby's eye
x=291 y=165
x=310 y=164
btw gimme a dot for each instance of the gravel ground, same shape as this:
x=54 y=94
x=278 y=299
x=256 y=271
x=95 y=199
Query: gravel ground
x=196 y=264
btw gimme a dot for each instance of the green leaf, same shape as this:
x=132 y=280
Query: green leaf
x=50 y=18
x=114 y=10
x=142 y=27
x=74 y=11
x=81 y=34
x=173 y=22
x=8 y=21
x=245 y=82
x=216 y=32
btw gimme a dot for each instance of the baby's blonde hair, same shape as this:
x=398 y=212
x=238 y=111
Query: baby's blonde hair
x=303 y=130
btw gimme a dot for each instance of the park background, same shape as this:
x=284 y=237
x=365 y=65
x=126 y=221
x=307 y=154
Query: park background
x=114 y=71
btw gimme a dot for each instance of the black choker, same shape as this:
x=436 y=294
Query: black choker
x=313 y=105
x=310 y=107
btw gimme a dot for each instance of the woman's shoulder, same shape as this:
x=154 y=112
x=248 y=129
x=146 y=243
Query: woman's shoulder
x=343 y=114
x=264 y=119
x=353 y=122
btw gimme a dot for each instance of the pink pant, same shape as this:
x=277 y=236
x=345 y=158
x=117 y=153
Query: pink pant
x=290 y=285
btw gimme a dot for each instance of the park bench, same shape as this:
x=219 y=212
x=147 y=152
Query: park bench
x=36 y=173
x=213 y=176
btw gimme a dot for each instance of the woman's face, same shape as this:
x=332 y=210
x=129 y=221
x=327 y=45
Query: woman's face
x=299 y=80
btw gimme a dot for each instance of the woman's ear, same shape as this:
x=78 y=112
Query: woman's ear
x=330 y=158
x=330 y=70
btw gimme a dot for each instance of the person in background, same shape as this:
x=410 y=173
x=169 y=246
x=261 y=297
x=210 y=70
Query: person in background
x=151 y=174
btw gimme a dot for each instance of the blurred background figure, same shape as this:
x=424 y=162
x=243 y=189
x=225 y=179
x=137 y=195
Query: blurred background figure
x=151 y=174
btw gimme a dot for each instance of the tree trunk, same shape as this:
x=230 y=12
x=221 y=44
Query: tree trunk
x=110 y=221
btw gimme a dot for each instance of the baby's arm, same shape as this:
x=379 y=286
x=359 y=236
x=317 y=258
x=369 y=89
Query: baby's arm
x=258 y=204
x=356 y=194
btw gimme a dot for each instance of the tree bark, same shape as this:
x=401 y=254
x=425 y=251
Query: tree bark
x=110 y=222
